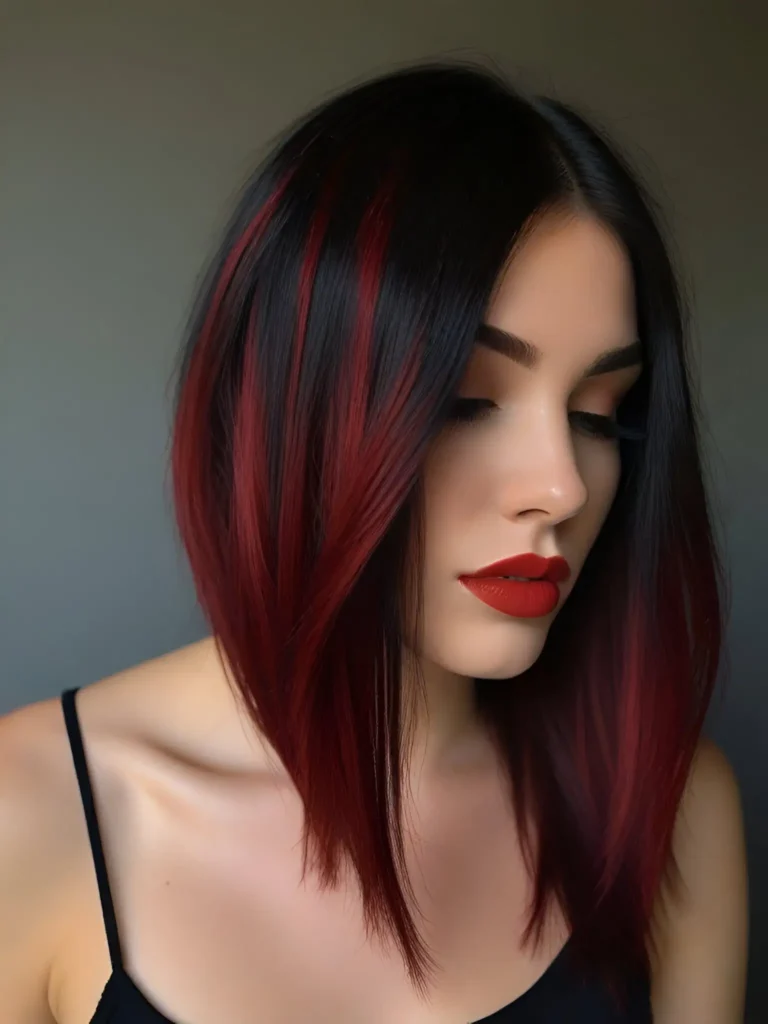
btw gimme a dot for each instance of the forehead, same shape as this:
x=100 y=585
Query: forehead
x=568 y=289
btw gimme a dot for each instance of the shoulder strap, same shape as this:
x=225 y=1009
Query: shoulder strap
x=89 y=807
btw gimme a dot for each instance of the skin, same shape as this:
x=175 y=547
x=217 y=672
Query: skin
x=523 y=478
x=201 y=826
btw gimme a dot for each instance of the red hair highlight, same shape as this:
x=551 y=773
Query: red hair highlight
x=291 y=479
x=274 y=607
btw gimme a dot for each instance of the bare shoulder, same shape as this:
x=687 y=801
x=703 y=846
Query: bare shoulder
x=713 y=789
x=38 y=837
x=43 y=840
x=34 y=757
x=700 y=968
x=709 y=834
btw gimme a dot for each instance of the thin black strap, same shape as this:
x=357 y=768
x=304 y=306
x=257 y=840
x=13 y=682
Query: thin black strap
x=91 y=820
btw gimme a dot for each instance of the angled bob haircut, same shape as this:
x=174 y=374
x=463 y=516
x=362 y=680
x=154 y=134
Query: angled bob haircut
x=323 y=354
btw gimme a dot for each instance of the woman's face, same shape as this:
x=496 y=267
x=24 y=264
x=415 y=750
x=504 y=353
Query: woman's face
x=521 y=469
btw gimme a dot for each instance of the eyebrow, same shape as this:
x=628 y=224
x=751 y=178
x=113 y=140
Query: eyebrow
x=526 y=354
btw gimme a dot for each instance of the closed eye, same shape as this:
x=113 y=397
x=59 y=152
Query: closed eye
x=468 y=410
x=465 y=410
x=603 y=426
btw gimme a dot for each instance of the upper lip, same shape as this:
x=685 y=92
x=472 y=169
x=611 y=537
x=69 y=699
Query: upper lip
x=529 y=565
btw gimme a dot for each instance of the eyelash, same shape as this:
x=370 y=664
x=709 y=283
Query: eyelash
x=467 y=410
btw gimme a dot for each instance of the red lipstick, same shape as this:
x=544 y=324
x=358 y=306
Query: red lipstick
x=532 y=592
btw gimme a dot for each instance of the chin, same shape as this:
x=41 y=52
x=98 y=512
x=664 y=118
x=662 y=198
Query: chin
x=488 y=651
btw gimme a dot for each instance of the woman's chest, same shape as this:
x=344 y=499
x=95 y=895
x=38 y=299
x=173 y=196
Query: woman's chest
x=218 y=927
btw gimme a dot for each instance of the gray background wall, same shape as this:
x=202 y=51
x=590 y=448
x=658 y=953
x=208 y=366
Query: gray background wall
x=124 y=131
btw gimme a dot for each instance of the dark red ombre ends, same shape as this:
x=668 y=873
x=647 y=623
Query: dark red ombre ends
x=323 y=356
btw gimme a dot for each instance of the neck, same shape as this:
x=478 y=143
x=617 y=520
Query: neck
x=442 y=733
x=442 y=729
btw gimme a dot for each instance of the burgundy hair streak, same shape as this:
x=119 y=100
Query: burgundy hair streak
x=323 y=355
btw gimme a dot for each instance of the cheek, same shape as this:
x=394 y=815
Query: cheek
x=451 y=465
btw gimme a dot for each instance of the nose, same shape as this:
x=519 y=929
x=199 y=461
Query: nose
x=545 y=482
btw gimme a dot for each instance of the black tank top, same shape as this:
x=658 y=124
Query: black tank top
x=559 y=996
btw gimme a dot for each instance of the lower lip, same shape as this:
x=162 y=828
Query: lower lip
x=529 y=599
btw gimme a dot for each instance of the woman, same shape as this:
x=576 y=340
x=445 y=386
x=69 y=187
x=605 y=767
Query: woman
x=440 y=760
